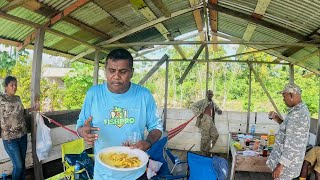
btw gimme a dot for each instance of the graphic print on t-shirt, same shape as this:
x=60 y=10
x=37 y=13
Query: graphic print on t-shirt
x=119 y=117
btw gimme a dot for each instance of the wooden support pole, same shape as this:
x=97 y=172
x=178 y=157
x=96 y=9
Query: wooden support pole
x=249 y=99
x=291 y=73
x=35 y=95
x=318 y=130
x=184 y=75
x=207 y=74
x=265 y=89
x=96 y=68
x=289 y=44
x=154 y=69
x=166 y=97
x=54 y=20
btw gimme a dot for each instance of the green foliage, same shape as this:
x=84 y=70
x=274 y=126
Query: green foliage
x=77 y=83
x=7 y=62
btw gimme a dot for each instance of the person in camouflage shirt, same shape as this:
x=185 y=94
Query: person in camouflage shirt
x=205 y=110
x=288 y=153
x=13 y=127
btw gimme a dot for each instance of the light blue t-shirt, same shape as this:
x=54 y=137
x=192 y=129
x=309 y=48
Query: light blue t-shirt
x=117 y=115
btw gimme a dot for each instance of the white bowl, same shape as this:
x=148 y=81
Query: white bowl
x=143 y=156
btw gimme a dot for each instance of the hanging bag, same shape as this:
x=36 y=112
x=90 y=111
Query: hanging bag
x=43 y=143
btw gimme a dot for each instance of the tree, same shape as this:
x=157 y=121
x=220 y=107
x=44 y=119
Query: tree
x=77 y=83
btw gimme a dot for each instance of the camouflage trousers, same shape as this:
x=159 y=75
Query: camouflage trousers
x=208 y=132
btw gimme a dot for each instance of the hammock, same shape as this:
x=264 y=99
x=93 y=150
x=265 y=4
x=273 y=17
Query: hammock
x=173 y=132
x=60 y=125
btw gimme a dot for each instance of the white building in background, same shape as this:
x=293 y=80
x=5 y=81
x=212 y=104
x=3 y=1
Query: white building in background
x=56 y=75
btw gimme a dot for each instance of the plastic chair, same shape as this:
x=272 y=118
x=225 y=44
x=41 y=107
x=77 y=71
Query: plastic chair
x=200 y=167
x=172 y=167
x=69 y=149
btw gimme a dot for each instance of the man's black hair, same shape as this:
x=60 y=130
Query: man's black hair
x=8 y=79
x=120 y=54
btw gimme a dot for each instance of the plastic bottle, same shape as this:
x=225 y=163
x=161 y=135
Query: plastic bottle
x=271 y=138
x=77 y=168
x=253 y=130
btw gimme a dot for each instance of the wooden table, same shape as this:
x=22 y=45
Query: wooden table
x=245 y=163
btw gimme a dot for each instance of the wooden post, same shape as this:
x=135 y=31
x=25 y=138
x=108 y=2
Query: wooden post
x=318 y=130
x=207 y=74
x=249 y=99
x=195 y=57
x=96 y=68
x=154 y=69
x=35 y=95
x=265 y=90
x=166 y=97
x=291 y=73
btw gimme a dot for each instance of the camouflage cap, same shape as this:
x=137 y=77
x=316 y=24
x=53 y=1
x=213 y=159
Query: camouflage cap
x=291 y=88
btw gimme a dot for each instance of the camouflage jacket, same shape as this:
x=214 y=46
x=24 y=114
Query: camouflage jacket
x=200 y=106
x=291 y=141
x=12 y=120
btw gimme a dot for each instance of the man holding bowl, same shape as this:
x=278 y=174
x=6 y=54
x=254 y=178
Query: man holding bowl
x=113 y=109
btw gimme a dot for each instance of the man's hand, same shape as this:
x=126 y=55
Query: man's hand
x=277 y=171
x=274 y=116
x=142 y=145
x=219 y=112
x=85 y=131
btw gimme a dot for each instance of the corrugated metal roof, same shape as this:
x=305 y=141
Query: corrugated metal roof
x=300 y=16
x=231 y=25
x=59 y=4
x=181 y=24
x=90 y=14
x=99 y=20
x=3 y=3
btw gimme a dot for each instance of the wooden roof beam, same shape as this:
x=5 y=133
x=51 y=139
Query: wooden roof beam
x=197 y=18
x=271 y=52
x=164 y=46
x=314 y=53
x=161 y=6
x=74 y=6
x=315 y=36
x=150 y=16
x=184 y=75
x=154 y=69
x=247 y=36
x=148 y=25
x=36 y=26
x=258 y=21
x=46 y=50
x=13 y=4
x=213 y=21
x=258 y=13
x=264 y=43
x=9 y=42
